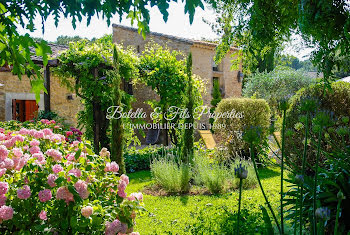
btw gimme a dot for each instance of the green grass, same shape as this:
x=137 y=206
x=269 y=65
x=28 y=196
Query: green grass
x=203 y=214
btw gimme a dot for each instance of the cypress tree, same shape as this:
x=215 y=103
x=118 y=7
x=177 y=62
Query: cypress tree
x=187 y=138
x=117 y=125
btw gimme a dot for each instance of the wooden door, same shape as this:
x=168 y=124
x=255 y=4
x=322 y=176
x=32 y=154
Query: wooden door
x=24 y=110
x=31 y=109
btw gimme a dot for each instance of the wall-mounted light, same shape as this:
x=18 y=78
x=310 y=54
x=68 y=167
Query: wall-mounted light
x=70 y=97
x=240 y=76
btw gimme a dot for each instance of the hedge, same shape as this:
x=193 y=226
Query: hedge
x=255 y=113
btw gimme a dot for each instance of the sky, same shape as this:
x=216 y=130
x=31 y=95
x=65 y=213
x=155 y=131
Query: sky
x=178 y=25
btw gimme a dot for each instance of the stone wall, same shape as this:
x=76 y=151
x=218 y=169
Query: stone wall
x=59 y=102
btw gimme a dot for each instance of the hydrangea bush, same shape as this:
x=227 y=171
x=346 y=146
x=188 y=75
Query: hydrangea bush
x=51 y=186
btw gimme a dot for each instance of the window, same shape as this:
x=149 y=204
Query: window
x=216 y=67
x=138 y=49
x=24 y=110
x=216 y=79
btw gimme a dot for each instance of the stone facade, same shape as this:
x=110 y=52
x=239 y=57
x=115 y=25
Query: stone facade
x=13 y=88
x=202 y=57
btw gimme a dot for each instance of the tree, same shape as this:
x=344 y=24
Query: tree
x=15 y=48
x=165 y=74
x=187 y=139
x=84 y=68
x=117 y=124
x=259 y=26
x=216 y=99
x=65 y=40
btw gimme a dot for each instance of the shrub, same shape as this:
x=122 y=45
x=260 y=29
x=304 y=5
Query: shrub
x=335 y=101
x=211 y=175
x=253 y=112
x=174 y=177
x=48 y=185
x=140 y=159
x=280 y=83
x=250 y=181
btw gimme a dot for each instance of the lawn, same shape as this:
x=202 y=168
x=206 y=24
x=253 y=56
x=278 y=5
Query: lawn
x=203 y=214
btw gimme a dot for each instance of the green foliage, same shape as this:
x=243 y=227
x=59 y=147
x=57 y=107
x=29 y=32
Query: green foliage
x=117 y=140
x=174 y=177
x=187 y=138
x=335 y=102
x=253 y=113
x=258 y=27
x=212 y=176
x=140 y=159
x=84 y=68
x=166 y=75
x=294 y=63
x=65 y=40
x=282 y=82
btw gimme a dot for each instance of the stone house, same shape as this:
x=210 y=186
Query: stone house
x=17 y=102
x=203 y=52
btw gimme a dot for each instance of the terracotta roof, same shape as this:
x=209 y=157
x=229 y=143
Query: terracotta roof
x=175 y=38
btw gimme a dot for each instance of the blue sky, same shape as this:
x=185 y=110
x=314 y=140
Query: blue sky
x=177 y=25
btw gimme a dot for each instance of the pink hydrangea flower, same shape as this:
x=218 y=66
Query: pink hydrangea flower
x=39 y=134
x=82 y=189
x=57 y=168
x=2 y=199
x=24 y=131
x=17 y=152
x=45 y=195
x=135 y=233
x=3 y=152
x=51 y=180
x=64 y=194
x=40 y=158
x=34 y=149
x=75 y=172
x=70 y=157
x=43 y=215
x=6 y=213
x=124 y=178
x=87 y=211
x=24 y=193
x=47 y=131
x=19 y=138
x=2 y=171
x=9 y=143
x=113 y=228
x=34 y=142
x=21 y=162
x=56 y=127
x=55 y=154
x=8 y=163
x=112 y=167
x=135 y=196
x=122 y=193
x=2 y=136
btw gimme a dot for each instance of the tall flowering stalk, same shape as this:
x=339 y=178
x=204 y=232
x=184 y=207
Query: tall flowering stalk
x=321 y=120
x=251 y=135
x=241 y=173
x=283 y=108
x=307 y=106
